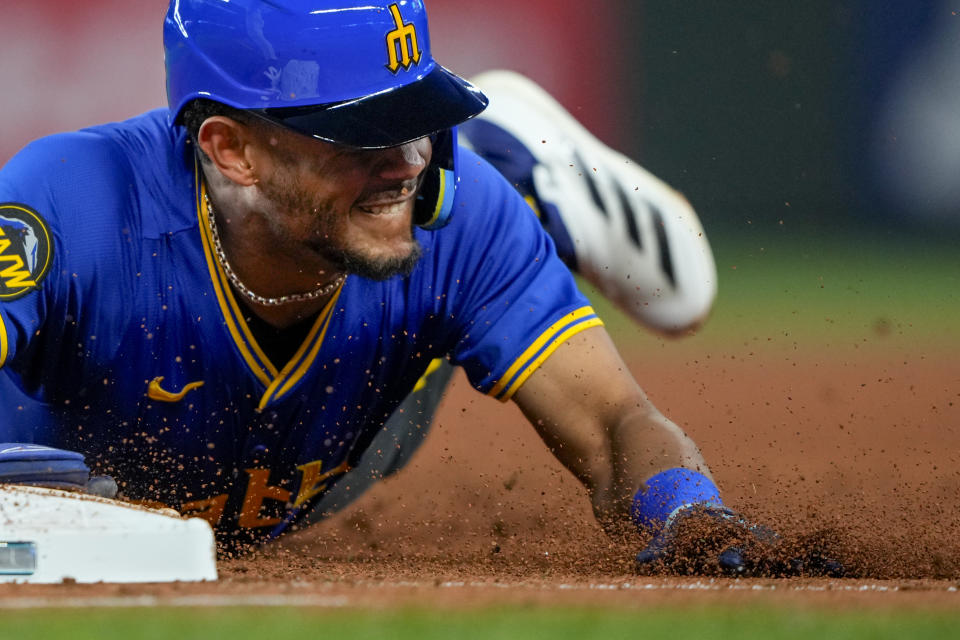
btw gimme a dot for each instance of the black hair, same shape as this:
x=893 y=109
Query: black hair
x=195 y=113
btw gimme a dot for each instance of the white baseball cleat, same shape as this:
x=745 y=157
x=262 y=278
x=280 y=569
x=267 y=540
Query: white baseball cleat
x=49 y=535
x=632 y=236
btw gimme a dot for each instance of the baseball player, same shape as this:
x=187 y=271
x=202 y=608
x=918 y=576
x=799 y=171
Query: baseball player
x=221 y=304
x=623 y=229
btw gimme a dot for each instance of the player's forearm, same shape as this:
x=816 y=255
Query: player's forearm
x=643 y=443
x=615 y=450
x=600 y=424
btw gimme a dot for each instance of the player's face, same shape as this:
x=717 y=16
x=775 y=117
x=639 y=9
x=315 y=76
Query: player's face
x=350 y=207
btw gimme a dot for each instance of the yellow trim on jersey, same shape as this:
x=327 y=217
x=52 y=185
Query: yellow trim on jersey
x=242 y=337
x=277 y=382
x=4 y=348
x=541 y=348
x=299 y=364
x=537 y=344
x=532 y=203
x=435 y=364
x=563 y=337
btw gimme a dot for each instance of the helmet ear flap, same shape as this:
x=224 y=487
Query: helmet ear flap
x=434 y=205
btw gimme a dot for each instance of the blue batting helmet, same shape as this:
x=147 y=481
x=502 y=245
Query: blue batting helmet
x=353 y=72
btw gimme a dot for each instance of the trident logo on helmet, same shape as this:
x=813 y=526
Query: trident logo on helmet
x=402 y=47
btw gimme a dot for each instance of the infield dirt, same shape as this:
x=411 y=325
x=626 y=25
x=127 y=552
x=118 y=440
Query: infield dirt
x=854 y=446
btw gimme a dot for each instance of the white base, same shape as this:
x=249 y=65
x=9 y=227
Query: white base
x=81 y=538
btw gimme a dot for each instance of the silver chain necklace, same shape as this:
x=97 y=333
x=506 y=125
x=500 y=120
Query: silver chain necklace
x=321 y=292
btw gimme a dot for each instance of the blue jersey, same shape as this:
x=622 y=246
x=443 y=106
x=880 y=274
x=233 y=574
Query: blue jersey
x=121 y=338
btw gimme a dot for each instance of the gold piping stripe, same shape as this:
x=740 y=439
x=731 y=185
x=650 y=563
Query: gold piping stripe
x=298 y=360
x=250 y=341
x=315 y=348
x=440 y=195
x=532 y=203
x=3 y=342
x=566 y=335
x=544 y=338
x=435 y=364
x=241 y=324
x=265 y=371
x=277 y=382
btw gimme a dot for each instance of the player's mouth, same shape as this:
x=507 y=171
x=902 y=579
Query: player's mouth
x=389 y=202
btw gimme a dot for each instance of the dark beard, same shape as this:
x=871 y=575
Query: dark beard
x=289 y=197
x=365 y=267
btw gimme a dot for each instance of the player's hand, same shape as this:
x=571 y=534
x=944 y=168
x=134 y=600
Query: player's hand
x=704 y=540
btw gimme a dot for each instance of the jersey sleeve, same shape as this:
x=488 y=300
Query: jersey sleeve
x=28 y=250
x=515 y=301
x=52 y=198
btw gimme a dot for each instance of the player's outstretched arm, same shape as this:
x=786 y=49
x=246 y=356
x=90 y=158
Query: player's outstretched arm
x=639 y=466
x=600 y=424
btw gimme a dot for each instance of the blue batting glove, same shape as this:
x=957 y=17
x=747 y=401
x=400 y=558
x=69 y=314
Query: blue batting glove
x=697 y=534
x=711 y=520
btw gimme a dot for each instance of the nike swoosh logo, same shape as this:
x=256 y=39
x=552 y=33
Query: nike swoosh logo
x=158 y=393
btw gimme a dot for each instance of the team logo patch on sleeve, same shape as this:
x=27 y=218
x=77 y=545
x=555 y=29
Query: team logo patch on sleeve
x=26 y=250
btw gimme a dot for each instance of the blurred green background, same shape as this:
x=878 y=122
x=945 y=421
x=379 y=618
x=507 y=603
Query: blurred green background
x=770 y=117
x=741 y=112
x=768 y=114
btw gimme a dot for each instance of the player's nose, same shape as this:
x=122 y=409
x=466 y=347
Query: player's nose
x=404 y=162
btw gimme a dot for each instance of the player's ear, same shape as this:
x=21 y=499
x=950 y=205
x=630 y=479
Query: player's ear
x=225 y=141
